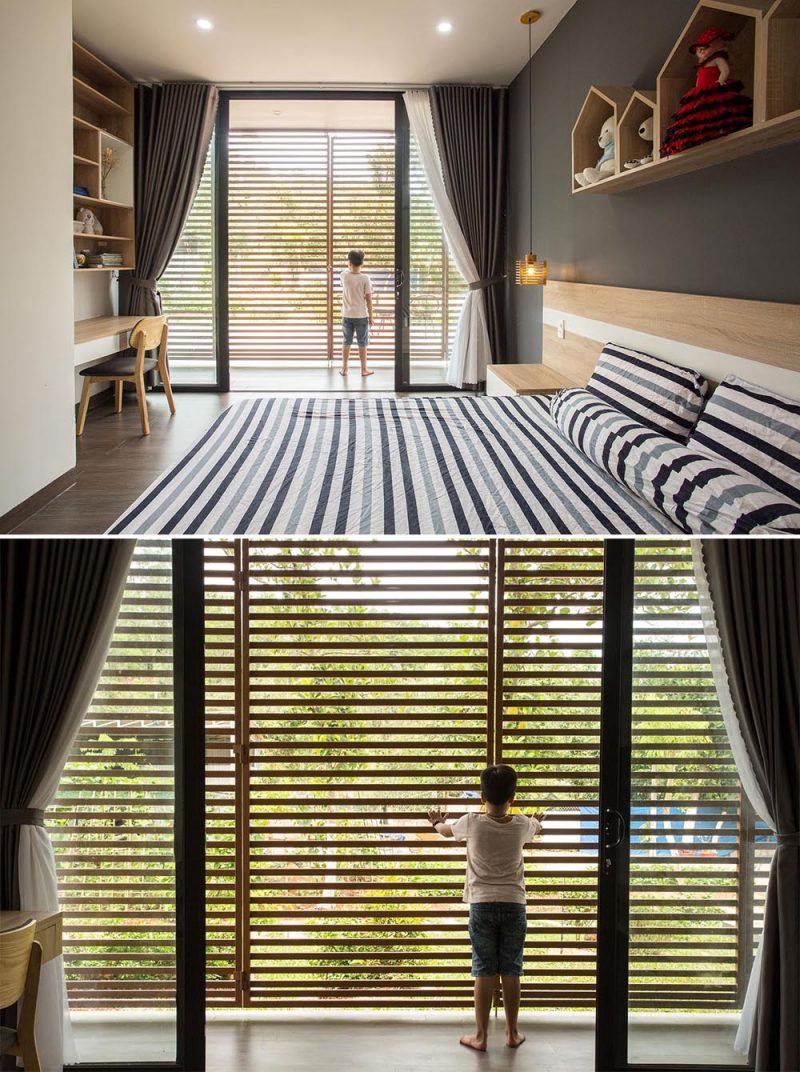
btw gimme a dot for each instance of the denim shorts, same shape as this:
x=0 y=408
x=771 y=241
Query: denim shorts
x=358 y=326
x=497 y=932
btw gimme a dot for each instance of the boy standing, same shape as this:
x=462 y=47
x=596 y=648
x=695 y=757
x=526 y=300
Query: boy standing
x=495 y=893
x=356 y=310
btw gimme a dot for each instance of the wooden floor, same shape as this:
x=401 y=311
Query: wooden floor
x=116 y=462
x=366 y=1044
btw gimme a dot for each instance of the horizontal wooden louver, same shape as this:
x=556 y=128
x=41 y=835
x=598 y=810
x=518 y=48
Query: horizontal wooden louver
x=365 y=699
x=696 y=885
x=187 y=288
x=112 y=821
x=299 y=200
x=550 y=640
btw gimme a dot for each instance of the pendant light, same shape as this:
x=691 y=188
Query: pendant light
x=530 y=271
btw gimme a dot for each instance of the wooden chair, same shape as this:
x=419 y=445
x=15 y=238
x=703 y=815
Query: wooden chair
x=20 y=962
x=129 y=366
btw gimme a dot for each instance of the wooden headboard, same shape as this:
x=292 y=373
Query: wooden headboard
x=759 y=341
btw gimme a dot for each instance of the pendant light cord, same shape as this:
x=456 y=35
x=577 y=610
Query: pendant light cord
x=530 y=119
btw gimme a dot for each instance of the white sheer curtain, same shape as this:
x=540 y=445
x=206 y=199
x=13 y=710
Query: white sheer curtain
x=471 y=350
x=743 y=766
x=38 y=883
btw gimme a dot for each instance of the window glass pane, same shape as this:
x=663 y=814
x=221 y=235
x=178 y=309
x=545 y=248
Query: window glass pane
x=112 y=830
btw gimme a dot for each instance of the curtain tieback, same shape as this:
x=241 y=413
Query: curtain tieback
x=22 y=817
x=146 y=284
x=483 y=284
x=789 y=839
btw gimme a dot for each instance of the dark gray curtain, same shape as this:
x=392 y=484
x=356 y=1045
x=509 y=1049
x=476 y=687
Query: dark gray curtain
x=755 y=591
x=53 y=595
x=174 y=124
x=471 y=132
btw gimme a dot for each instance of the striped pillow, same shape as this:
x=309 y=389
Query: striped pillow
x=699 y=495
x=661 y=396
x=756 y=430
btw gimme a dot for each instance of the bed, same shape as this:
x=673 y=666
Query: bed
x=505 y=465
x=442 y=466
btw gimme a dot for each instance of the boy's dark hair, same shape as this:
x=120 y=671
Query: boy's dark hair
x=499 y=783
x=356 y=257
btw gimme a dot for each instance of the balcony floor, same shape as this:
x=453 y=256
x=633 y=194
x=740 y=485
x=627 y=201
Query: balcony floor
x=410 y=1043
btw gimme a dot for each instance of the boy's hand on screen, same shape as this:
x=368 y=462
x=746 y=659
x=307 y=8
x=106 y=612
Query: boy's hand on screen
x=435 y=815
x=539 y=816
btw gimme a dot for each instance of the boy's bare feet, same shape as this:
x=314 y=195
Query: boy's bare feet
x=473 y=1042
x=342 y=371
x=515 y=1039
x=367 y=371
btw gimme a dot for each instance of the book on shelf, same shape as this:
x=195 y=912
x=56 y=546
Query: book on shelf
x=104 y=260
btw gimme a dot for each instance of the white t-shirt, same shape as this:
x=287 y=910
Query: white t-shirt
x=495 y=868
x=355 y=288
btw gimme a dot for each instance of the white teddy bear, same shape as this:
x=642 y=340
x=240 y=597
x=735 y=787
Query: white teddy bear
x=605 y=165
x=646 y=133
x=91 y=224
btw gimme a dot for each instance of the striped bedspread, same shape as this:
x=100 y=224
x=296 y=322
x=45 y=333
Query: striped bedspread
x=306 y=466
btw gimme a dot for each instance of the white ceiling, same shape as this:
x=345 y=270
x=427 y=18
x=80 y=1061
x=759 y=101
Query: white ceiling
x=318 y=42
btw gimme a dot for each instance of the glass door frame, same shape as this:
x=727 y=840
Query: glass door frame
x=188 y=638
x=616 y=747
x=221 y=217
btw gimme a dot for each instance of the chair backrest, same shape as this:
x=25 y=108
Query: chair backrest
x=147 y=334
x=15 y=953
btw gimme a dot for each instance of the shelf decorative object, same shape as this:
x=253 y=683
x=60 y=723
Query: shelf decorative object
x=764 y=55
x=602 y=110
x=103 y=157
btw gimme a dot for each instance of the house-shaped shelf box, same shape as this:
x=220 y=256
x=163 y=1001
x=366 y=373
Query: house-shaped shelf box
x=630 y=145
x=601 y=103
x=744 y=19
x=782 y=30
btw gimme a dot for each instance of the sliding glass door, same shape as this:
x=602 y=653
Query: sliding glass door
x=127 y=830
x=291 y=184
x=683 y=867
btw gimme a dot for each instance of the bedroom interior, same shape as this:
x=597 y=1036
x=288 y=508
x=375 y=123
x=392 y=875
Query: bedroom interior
x=400 y=536
x=680 y=257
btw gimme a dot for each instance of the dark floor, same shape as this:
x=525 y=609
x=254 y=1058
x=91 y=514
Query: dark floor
x=116 y=462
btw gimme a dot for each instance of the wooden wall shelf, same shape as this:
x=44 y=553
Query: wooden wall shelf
x=602 y=103
x=103 y=118
x=765 y=56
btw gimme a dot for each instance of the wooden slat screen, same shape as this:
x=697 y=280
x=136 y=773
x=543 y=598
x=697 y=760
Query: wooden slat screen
x=694 y=910
x=298 y=201
x=112 y=821
x=548 y=727
x=363 y=698
x=187 y=288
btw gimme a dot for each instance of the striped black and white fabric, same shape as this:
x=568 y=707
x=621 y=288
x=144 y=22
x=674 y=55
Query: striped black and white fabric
x=699 y=494
x=661 y=396
x=310 y=466
x=756 y=430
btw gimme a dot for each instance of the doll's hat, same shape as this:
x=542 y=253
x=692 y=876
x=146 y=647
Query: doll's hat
x=707 y=37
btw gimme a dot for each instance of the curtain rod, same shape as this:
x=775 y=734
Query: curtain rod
x=319 y=87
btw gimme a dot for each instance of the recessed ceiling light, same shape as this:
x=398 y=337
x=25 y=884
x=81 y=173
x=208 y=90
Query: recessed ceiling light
x=204 y=24
x=444 y=27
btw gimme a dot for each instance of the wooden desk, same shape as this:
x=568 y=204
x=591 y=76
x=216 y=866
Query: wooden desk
x=48 y=929
x=524 y=380
x=101 y=327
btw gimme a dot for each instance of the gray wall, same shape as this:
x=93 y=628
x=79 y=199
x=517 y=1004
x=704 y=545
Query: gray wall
x=731 y=231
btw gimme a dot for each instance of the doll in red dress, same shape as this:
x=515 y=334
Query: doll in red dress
x=716 y=105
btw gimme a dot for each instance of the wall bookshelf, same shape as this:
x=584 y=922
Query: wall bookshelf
x=765 y=55
x=103 y=119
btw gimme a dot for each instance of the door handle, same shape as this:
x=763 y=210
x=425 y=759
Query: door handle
x=613 y=828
